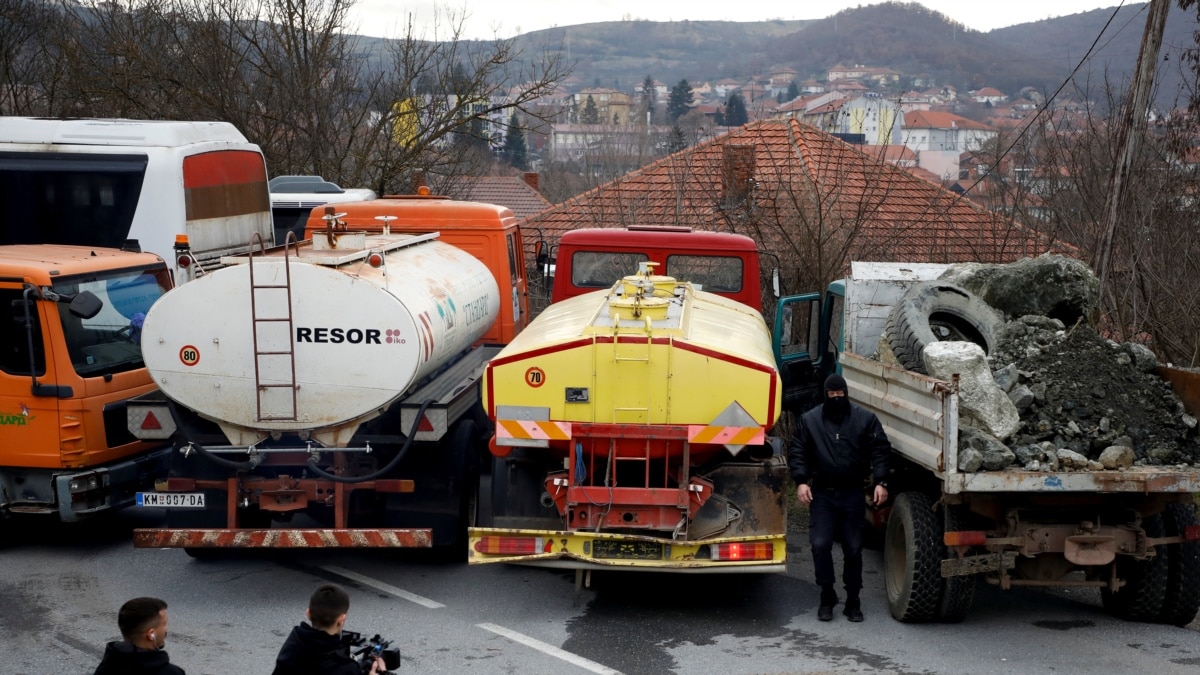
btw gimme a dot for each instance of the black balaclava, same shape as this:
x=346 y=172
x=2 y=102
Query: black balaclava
x=835 y=409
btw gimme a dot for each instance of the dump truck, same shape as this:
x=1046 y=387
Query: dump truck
x=200 y=186
x=1131 y=532
x=70 y=358
x=335 y=379
x=632 y=433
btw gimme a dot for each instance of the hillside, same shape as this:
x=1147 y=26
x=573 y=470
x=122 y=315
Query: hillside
x=903 y=36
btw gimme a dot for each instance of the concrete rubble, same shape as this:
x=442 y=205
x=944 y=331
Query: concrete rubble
x=1053 y=395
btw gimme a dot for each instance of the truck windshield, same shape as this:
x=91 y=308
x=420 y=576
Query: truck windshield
x=713 y=273
x=69 y=198
x=110 y=342
x=602 y=269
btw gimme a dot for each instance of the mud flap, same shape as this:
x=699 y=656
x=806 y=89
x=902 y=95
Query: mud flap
x=748 y=500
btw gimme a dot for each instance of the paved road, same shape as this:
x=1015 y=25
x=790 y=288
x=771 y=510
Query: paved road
x=60 y=589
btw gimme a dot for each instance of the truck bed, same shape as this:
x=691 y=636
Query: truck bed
x=920 y=415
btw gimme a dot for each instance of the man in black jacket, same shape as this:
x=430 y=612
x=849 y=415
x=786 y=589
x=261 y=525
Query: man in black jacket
x=318 y=649
x=836 y=446
x=143 y=624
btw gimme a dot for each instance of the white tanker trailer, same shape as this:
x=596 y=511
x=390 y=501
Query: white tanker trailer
x=337 y=378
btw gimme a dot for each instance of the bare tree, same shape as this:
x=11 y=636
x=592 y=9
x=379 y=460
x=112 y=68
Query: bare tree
x=292 y=76
x=28 y=74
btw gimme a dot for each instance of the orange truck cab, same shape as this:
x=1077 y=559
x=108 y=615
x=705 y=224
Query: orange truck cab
x=593 y=259
x=470 y=226
x=70 y=357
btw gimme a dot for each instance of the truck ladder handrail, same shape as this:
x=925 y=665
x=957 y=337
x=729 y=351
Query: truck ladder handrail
x=259 y=387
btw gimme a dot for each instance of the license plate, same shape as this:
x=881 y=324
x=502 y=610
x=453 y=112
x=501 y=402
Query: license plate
x=627 y=550
x=171 y=500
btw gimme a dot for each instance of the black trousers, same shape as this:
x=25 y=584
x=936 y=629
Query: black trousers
x=837 y=513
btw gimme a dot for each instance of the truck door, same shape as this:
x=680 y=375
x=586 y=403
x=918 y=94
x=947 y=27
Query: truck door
x=796 y=342
x=28 y=423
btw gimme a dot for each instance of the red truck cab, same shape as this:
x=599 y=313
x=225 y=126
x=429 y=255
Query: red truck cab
x=718 y=262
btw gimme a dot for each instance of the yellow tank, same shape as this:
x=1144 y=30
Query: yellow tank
x=649 y=351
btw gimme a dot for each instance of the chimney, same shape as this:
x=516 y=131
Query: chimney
x=531 y=179
x=737 y=171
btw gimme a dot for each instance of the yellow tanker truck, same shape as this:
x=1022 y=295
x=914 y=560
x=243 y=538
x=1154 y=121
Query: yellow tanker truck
x=631 y=433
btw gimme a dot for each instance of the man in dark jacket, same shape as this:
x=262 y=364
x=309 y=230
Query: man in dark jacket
x=318 y=649
x=143 y=624
x=837 y=445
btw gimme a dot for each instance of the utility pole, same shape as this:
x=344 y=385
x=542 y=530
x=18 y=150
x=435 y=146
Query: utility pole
x=1132 y=127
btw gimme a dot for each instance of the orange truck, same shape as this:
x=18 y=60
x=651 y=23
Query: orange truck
x=335 y=379
x=70 y=357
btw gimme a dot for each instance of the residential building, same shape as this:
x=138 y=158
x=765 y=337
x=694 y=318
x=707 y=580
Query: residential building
x=877 y=119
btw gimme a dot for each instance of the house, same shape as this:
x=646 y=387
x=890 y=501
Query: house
x=989 y=96
x=812 y=87
x=877 y=119
x=794 y=188
x=612 y=106
x=723 y=88
x=931 y=130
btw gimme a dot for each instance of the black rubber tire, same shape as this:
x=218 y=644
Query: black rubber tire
x=958 y=593
x=1182 y=600
x=1143 y=596
x=912 y=556
x=949 y=309
x=462 y=439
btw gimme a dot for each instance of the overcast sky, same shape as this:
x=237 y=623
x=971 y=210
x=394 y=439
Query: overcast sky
x=488 y=18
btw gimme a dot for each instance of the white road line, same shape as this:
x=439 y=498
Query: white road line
x=557 y=653
x=386 y=588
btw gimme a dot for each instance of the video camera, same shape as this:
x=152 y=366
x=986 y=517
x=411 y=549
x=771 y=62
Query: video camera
x=365 y=650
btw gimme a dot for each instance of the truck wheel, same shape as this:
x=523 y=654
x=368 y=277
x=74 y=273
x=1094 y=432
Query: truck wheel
x=1183 y=568
x=933 y=311
x=958 y=592
x=912 y=555
x=1144 y=593
x=463 y=444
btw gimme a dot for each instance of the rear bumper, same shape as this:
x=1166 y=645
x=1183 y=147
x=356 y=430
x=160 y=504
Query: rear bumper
x=283 y=538
x=607 y=551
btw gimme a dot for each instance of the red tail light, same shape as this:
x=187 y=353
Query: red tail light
x=513 y=545
x=742 y=551
x=184 y=261
x=1191 y=532
x=965 y=538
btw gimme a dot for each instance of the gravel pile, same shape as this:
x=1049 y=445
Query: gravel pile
x=1085 y=402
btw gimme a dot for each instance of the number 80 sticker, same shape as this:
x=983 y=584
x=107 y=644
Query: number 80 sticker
x=189 y=355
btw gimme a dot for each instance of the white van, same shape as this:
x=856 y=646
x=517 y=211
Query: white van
x=99 y=182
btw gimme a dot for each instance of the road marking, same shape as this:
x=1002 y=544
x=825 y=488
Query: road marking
x=78 y=645
x=386 y=588
x=557 y=653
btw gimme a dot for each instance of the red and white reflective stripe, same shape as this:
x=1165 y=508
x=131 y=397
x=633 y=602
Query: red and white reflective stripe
x=314 y=538
x=699 y=433
x=537 y=430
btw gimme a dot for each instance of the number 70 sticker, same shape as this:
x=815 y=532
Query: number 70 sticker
x=189 y=355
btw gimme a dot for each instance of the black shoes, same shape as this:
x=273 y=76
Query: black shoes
x=828 y=600
x=853 y=610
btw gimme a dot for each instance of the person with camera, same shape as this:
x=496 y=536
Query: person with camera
x=143 y=624
x=319 y=649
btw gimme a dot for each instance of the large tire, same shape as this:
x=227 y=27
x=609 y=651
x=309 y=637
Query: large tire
x=932 y=311
x=1143 y=596
x=912 y=556
x=958 y=592
x=1182 y=600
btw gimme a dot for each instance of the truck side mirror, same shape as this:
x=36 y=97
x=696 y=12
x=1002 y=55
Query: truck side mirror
x=18 y=311
x=85 y=305
x=775 y=281
x=539 y=253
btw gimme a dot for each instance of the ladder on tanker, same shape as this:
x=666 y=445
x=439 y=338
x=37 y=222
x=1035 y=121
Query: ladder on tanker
x=265 y=325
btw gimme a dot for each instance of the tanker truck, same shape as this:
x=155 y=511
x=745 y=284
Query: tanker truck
x=631 y=433
x=1130 y=531
x=336 y=379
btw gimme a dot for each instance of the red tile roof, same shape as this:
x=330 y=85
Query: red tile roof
x=510 y=191
x=930 y=119
x=799 y=178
